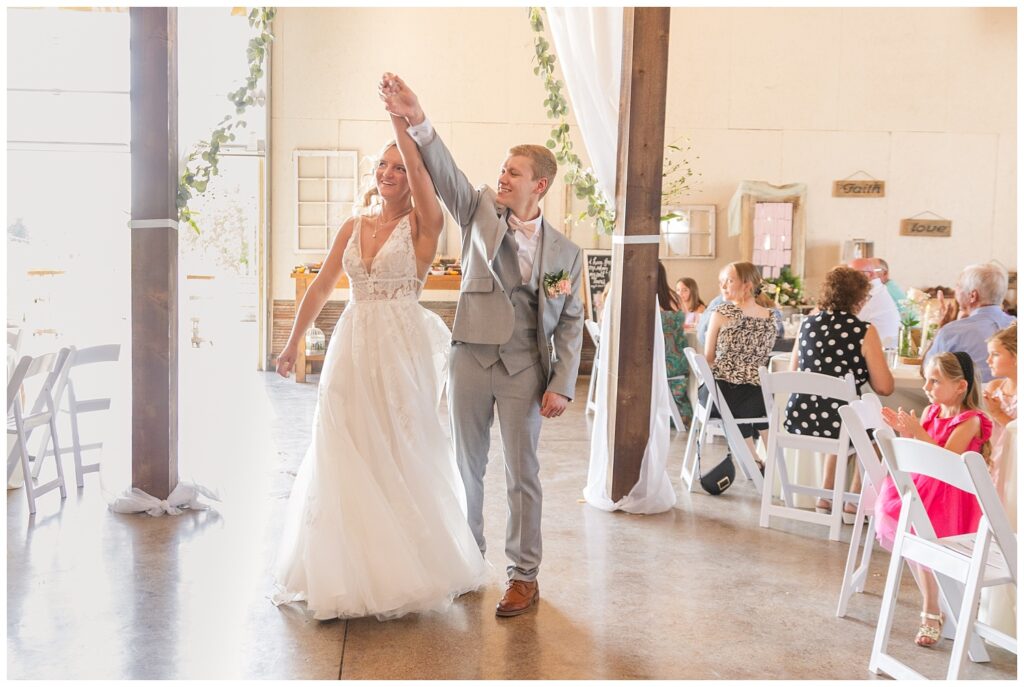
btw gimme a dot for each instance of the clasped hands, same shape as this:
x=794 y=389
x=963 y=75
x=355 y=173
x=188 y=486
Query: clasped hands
x=399 y=100
x=907 y=424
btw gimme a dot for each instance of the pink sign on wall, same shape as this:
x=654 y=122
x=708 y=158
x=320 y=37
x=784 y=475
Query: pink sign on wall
x=773 y=237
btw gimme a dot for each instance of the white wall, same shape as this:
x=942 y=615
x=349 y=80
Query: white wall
x=923 y=98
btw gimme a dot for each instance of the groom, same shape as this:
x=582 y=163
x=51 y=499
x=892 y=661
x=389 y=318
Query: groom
x=517 y=332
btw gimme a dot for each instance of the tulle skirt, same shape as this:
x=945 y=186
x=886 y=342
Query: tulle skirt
x=376 y=522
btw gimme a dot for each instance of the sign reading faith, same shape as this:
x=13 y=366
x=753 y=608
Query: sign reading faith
x=858 y=188
x=926 y=227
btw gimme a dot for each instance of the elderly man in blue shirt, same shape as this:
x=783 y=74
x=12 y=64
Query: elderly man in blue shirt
x=979 y=292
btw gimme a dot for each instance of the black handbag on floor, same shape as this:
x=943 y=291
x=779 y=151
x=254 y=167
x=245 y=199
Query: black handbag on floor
x=719 y=478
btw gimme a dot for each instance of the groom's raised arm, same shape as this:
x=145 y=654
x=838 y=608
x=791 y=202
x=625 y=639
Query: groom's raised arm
x=452 y=186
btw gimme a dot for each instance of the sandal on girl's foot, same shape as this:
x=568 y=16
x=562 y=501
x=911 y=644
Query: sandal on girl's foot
x=823 y=506
x=928 y=636
x=849 y=513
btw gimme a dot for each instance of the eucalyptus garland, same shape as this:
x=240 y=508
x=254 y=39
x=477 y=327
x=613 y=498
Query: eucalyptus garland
x=582 y=180
x=201 y=163
x=677 y=172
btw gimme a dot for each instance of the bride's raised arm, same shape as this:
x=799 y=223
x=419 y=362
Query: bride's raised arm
x=429 y=219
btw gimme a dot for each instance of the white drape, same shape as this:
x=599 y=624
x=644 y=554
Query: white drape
x=588 y=47
x=653 y=493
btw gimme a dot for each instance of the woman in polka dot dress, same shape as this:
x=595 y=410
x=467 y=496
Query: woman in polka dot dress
x=834 y=342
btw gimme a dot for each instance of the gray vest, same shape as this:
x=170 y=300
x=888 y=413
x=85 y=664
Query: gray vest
x=520 y=351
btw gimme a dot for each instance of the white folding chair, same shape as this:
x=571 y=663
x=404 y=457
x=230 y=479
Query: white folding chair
x=779 y=386
x=858 y=417
x=677 y=419
x=44 y=413
x=92 y=355
x=703 y=426
x=14 y=336
x=595 y=333
x=57 y=388
x=963 y=564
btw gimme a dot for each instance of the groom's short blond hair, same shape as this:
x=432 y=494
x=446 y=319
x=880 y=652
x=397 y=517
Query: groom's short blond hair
x=541 y=159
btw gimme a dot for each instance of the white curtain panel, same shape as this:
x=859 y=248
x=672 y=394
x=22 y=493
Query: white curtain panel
x=588 y=48
x=653 y=492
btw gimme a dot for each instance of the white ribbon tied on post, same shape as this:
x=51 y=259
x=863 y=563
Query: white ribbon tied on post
x=184 y=496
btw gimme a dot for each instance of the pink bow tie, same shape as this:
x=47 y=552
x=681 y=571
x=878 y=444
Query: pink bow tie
x=516 y=224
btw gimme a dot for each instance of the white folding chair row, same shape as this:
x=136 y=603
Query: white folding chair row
x=78 y=406
x=963 y=564
x=703 y=425
x=779 y=386
x=43 y=414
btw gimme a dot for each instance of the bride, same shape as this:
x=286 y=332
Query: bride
x=376 y=523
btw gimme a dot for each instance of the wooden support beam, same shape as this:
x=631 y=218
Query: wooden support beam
x=635 y=248
x=154 y=237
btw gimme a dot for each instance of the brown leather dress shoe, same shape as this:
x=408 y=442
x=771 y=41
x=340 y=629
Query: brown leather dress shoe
x=519 y=596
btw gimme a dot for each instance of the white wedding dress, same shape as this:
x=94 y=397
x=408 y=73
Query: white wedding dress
x=376 y=522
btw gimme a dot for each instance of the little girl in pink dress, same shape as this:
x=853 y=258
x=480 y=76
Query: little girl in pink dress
x=955 y=422
x=1001 y=401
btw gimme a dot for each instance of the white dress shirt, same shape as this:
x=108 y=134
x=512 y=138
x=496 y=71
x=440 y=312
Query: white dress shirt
x=528 y=248
x=881 y=312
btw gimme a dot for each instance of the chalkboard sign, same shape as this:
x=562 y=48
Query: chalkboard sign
x=597 y=270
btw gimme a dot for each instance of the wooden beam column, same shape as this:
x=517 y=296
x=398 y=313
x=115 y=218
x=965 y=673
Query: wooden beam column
x=154 y=237
x=635 y=241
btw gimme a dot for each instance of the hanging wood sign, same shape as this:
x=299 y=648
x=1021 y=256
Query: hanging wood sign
x=858 y=188
x=926 y=227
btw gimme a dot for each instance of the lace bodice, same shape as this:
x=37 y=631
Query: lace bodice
x=392 y=273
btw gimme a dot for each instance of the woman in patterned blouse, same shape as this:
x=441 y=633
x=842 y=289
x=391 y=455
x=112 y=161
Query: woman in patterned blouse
x=834 y=341
x=741 y=335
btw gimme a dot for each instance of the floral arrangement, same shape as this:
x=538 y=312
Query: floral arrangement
x=557 y=284
x=786 y=289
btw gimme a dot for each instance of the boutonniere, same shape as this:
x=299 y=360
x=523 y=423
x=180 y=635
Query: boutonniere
x=557 y=284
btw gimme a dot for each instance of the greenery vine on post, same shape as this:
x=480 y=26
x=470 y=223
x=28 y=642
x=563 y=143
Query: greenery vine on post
x=676 y=173
x=201 y=164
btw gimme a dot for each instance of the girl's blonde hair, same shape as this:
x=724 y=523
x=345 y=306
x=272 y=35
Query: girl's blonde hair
x=1007 y=338
x=370 y=196
x=747 y=273
x=949 y=367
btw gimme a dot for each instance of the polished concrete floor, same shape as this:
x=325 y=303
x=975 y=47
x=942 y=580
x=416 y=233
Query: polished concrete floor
x=699 y=592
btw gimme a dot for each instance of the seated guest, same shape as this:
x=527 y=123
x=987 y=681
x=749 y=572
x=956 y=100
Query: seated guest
x=690 y=297
x=979 y=291
x=1001 y=401
x=897 y=293
x=740 y=339
x=834 y=341
x=705 y=319
x=673 y=317
x=880 y=309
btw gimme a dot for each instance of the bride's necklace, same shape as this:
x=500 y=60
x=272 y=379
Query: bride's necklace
x=381 y=216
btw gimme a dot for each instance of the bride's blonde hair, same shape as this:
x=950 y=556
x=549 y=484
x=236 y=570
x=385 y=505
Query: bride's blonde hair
x=370 y=197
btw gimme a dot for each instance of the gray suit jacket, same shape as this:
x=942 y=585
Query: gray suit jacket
x=484 y=313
